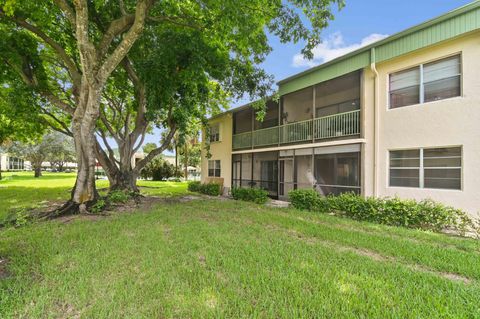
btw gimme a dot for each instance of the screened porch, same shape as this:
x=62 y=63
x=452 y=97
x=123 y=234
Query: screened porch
x=328 y=110
x=329 y=170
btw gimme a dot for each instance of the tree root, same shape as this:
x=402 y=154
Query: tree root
x=67 y=209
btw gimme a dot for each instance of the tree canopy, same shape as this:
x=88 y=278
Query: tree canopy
x=120 y=68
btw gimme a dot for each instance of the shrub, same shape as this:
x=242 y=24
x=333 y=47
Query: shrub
x=426 y=214
x=158 y=170
x=99 y=206
x=118 y=197
x=256 y=195
x=212 y=189
x=306 y=199
x=194 y=186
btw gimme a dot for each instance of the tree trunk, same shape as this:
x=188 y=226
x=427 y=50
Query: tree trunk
x=176 y=157
x=125 y=181
x=38 y=170
x=120 y=178
x=185 y=161
x=84 y=193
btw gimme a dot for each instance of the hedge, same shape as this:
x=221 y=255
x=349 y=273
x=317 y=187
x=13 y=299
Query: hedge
x=212 y=189
x=256 y=195
x=425 y=214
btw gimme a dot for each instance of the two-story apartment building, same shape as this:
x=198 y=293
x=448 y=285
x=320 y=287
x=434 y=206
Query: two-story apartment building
x=400 y=117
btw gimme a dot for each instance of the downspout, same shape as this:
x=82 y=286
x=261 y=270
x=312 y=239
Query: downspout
x=376 y=91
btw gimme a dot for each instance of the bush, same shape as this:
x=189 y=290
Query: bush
x=118 y=196
x=426 y=214
x=212 y=189
x=256 y=195
x=158 y=170
x=194 y=186
x=306 y=199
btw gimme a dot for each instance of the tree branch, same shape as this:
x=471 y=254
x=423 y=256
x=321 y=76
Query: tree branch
x=121 y=4
x=141 y=164
x=62 y=54
x=67 y=10
x=31 y=80
x=110 y=129
x=107 y=145
x=128 y=40
x=140 y=120
x=116 y=27
x=61 y=123
x=88 y=54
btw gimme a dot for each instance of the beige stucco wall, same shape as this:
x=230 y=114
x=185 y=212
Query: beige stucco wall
x=450 y=122
x=221 y=150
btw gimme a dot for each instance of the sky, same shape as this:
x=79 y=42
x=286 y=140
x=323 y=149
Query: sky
x=359 y=23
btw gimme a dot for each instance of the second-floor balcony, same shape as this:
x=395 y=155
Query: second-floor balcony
x=327 y=110
x=313 y=130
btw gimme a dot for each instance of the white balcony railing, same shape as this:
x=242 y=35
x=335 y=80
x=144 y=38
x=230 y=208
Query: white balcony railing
x=327 y=127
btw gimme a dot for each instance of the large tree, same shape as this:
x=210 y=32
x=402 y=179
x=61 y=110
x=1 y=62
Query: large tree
x=61 y=151
x=19 y=117
x=178 y=59
x=38 y=151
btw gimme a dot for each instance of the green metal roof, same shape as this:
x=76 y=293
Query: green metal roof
x=452 y=24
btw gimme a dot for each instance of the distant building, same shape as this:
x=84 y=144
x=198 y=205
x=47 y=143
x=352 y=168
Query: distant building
x=12 y=163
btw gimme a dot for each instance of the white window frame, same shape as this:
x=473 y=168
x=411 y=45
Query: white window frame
x=214 y=168
x=421 y=175
x=420 y=66
x=219 y=133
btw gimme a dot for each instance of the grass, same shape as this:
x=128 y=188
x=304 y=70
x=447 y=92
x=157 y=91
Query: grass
x=20 y=190
x=227 y=259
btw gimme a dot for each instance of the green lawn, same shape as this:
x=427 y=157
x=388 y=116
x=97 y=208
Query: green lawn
x=220 y=258
x=20 y=190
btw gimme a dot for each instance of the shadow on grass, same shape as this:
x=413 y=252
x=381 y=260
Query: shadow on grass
x=15 y=198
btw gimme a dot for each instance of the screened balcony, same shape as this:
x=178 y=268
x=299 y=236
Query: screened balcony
x=328 y=170
x=328 y=110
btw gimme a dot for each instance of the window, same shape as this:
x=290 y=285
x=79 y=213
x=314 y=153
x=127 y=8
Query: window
x=14 y=163
x=405 y=168
x=215 y=133
x=427 y=168
x=214 y=168
x=443 y=168
x=337 y=173
x=405 y=88
x=442 y=79
x=428 y=82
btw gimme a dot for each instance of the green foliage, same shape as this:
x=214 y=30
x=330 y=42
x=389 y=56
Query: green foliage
x=118 y=196
x=99 y=206
x=194 y=186
x=190 y=60
x=306 y=199
x=256 y=195
x=60 y=151
x=148 y=147
x=212 y=189
x=158 y=170
x=425 y=214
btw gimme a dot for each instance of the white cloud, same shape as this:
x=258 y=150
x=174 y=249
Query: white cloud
x=333 y=47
